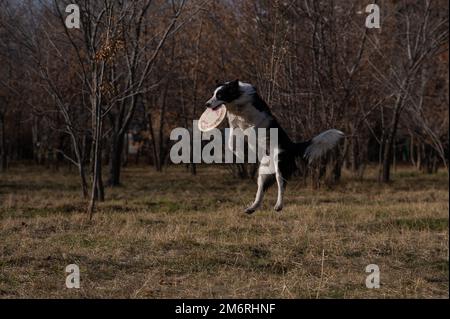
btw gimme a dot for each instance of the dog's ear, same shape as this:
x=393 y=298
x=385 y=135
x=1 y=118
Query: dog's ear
x=235 y=83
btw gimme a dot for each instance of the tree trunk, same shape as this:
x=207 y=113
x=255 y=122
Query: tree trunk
x=95 y=178
x=389 y=148
x=411 y=152
x=117 y=144
x=156 y=162
x=100 y=185
x=387 y=160
x=125 y=150
x=419 y=157
x=4 y=154
x=97 y=191
x=84 y=185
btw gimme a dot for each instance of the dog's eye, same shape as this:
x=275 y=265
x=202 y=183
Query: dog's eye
x=219 y=96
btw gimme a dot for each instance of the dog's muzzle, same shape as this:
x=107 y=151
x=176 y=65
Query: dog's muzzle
x=213 y=103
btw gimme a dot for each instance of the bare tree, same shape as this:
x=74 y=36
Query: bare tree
x=425 y=36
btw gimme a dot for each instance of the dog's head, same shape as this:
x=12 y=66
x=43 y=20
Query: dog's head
x=230 y=92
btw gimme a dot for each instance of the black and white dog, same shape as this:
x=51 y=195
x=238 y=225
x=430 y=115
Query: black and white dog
x=246 y=110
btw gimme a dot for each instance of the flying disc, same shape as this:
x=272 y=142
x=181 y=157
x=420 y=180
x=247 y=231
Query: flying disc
x=211 y=119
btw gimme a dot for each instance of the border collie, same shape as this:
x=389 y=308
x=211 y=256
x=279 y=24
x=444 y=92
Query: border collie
x=247 y=110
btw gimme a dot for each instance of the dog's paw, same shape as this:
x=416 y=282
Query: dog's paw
x=278 y=208
x=249 y=211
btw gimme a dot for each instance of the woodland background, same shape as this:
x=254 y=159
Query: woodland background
x=85 y=120
x=137 y=69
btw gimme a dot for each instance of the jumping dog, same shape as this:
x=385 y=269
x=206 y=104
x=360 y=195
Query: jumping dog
x=247 y=110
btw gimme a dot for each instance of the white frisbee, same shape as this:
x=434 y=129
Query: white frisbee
x=211 y=119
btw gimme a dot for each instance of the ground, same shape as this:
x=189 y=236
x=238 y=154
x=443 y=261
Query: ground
x=171 y=235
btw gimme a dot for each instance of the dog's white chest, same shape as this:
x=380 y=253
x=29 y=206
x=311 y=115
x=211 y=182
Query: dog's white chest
x=237 y=121
x=248 y=116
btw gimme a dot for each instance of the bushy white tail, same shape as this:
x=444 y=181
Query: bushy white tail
x=321 y=144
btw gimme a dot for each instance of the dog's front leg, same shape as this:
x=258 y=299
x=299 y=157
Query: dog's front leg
x=231 y=140
x=231 y=137
x=259 y=196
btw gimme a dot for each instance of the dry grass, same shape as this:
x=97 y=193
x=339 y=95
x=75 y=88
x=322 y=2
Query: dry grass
x=174 y=236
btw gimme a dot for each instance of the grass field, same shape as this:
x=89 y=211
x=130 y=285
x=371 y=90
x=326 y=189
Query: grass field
x=171 y=235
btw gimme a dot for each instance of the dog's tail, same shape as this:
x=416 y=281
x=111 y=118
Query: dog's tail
x=319 y=145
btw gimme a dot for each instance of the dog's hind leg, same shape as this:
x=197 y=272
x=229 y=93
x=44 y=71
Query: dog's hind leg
x=266 y=178
x=281 y=187
x=284 y=168
x=264 y=182
x=281 y=183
